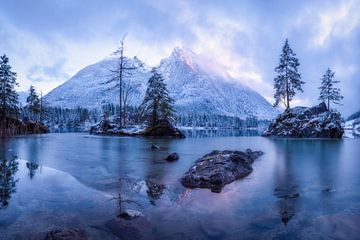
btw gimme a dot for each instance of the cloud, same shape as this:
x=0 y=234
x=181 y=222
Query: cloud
x=244 y=38
x=39 y=73
x=337 y=21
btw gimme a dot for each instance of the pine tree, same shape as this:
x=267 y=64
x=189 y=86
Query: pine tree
x=288 y=80
x=8 y=96
x=33 y=103
x=157 y=104
x=329 y=93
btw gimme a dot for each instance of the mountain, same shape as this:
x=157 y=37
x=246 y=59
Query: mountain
x=196 y=84
x=22 y=97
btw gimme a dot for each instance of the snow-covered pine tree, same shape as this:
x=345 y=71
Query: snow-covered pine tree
x=157 y=104
x=33 y=104
x=288 y=80
x=8 y=96
x=329 y=93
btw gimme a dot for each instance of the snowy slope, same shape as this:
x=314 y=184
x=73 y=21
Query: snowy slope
x=88 y=88
x=199 y=86
x=193 y=82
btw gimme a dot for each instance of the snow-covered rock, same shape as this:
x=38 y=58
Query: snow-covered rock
x=352 y=127
x=302 y=122
x=191 y=80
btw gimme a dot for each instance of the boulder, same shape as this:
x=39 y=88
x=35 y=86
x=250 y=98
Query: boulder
x=163 y=129
x=172 y=157
x=303 y=122
x=218 y=168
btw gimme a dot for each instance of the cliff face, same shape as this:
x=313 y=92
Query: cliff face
x=13 y=126
x=302 y=122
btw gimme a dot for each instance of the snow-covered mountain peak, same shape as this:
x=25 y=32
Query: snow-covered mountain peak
x=194 y=81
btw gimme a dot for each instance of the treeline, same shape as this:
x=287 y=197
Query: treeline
x=218 y=121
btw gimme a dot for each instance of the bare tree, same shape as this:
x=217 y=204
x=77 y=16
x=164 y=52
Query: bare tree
x=121 y=75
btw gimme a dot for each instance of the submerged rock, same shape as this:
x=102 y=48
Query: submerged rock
x=163 y=129
x=218 y=168
x=172 y=157
x=130 y=214
x=154 y=191
x=303 y=122
x=62 y=234
x=154 y=147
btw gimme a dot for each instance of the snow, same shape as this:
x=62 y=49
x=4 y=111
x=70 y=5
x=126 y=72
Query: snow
x=196 y=84
x=352 y=128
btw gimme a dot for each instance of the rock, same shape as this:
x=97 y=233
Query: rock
x=302 y=122
x=172 y=157
x=218 y=168
x=73 y=234
x=163 y=129
x=130 y=214
x=154 y=191
x=154 y=147
x=287 y=192
x=328 y=190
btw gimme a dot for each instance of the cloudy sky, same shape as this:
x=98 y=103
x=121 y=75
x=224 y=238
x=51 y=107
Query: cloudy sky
x=50 y=41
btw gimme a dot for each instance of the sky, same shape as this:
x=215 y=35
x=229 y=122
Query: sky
x=48 y=42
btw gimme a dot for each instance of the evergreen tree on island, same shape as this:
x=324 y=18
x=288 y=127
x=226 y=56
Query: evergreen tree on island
x=33 y=103
x=329 y=93
x=157 y=104
x=288 y=80
x=8 y=96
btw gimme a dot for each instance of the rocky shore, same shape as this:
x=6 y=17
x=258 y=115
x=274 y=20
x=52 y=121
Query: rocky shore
x=13 y=126
x=164 y=129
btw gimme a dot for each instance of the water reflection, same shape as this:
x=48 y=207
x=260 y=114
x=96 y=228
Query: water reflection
x=33 y=168
x=8 y=169
x=204 y=133
x=286 y=189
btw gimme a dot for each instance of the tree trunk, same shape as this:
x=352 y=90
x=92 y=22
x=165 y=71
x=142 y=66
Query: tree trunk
x=154 y=114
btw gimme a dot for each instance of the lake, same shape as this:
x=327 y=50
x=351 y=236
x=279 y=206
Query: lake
x=73 y=180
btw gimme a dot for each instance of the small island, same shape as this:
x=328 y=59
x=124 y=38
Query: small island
x=156 y=115
x=303 y=122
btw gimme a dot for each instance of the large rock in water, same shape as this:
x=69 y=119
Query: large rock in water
x=163 y=129
x=218 y=168
x=303 y=122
